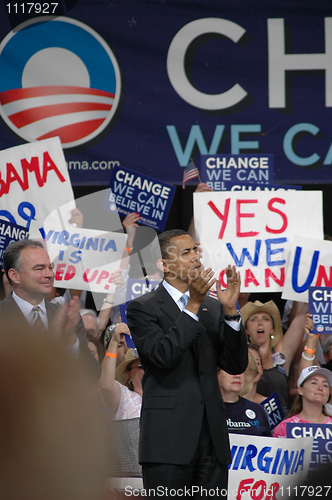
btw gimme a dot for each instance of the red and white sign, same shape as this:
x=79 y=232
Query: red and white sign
x=266 y=468
x=34 y=181
x=308 y=264
x=85 y=259
x=253 y=231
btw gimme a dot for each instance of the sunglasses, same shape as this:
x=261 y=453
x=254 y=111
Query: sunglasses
x=136 y=366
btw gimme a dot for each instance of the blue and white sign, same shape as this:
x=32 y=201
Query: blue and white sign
x=10 y=232
x=320 y=306
x=224 y=170
x=273 y=409
x=136 y=288
x=132 y=192
x=266 y=468
x=309 y=264
x=231 y=80
x=321 y=453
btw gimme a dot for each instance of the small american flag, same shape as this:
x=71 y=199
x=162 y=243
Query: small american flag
x=190 y=172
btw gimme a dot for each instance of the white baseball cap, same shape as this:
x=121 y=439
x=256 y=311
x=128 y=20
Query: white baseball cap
x=310 y=370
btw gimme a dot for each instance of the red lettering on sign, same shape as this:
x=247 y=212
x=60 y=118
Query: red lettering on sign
x=85 y=275
x=222 y=217
x=243 y=487
x=71 y=271
x=33 y=166
x=322 y=276
x=48 y=164
x=103 y=275
x=258 y=490
x=271 y=492
x=240 y=215
x=269 y=274
x=282 y=215
x=60 y=268
x=249 y=278
x=12 y=176
x=221 y=278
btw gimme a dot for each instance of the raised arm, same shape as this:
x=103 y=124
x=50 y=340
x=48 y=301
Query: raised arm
x=129 y=223
x=109 y=388
x=201 y=188
x=292 y=338
x=309 y=354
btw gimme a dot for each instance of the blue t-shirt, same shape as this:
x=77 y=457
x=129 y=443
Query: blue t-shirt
x=247 y=417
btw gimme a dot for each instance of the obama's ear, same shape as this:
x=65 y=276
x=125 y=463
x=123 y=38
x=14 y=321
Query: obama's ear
x=162 y=265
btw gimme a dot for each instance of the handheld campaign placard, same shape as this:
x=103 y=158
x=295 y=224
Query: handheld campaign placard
x=266 y=468
x=221 y=172
x=320 y=306
x=85 y=259
x=321 y=453
x=136 y=288
x=273 y=409
x=10 y=232
x=308 y=264
x=253 y=232
x=34 y=181
x=130 y=192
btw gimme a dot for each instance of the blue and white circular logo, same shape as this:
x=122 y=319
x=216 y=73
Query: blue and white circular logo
x=58 y=78
x=319 y=328
x=250 y=413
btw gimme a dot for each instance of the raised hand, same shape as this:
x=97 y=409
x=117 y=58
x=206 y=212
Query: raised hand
x=200 y=282
x=66 y=321
x=229 y=297
x=76 y=217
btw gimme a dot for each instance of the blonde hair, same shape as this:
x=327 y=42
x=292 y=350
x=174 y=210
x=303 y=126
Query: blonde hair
x=250 y=374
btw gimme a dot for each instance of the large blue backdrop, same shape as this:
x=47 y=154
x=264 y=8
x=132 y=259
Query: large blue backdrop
x=149 y=84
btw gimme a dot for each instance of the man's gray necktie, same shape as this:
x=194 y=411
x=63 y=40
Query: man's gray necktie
x=37 y=323
x=184 y=300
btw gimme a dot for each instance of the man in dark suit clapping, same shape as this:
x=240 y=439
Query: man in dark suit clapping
x=30 y=273
x=182 y=337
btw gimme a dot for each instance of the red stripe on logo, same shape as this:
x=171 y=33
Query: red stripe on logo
x=28 y=116
x=73 y=132
x=17 y=94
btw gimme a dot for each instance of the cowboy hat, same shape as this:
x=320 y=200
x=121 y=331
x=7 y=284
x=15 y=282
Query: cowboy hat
x=270 y=308
x=121 y=374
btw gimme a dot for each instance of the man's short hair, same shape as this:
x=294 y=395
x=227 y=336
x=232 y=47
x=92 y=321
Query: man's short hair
x=12 y=254
x=165 y=238
x=326 y=345
x=92 y=313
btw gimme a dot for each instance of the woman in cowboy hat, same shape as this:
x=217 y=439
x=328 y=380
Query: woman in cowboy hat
x=262 y=322
x=121 y=387
x=313 y=388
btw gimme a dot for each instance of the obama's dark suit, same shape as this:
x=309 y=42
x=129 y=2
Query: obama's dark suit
x=180 y=357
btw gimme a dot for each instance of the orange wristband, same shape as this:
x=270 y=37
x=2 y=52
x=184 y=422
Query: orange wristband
x=111 y=354
x=127 y=249
x=310 y=351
